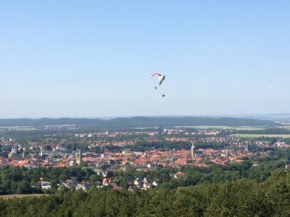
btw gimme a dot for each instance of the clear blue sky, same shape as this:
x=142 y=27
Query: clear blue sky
x=94 y=58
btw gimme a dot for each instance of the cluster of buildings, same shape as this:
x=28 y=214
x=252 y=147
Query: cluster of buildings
x=207 y=147
x=137 y=183
x=201 y=153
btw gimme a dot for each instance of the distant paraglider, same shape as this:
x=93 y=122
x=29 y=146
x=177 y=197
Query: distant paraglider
x=161 y=78
x=271 y=77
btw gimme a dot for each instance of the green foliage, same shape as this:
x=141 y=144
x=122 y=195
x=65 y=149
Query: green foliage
x=231 y=198
x=16 y=180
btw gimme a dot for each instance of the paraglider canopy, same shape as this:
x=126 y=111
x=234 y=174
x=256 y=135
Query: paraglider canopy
x=154 y=74
x=161 y=77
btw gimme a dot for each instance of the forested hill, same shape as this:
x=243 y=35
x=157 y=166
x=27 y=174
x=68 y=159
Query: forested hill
x=240 y=198
x=137 y=122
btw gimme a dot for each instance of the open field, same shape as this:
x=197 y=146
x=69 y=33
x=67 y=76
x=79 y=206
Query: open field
x=261 y=135
x=11 y=196
x=285 y=127
x=222 y=127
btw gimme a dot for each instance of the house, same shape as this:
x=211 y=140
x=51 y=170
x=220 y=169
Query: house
x=138 y=183
x=72 y=163
x=145 y=186
x=30 y=166
x=147 y=180
x=106 y=182
x=178 y=175
x=82 y=186
x=69 y=183
x=99 y=185
x=155 y=184
x=132 y=188
x=45 y=185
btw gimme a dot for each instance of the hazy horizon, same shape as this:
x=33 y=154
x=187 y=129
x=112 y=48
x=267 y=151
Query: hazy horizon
x=161 y=116
x=94 y=58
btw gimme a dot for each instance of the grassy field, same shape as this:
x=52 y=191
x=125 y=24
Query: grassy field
x=261 y=135
x=11 y=196
x=285 y=127
x=223 y=127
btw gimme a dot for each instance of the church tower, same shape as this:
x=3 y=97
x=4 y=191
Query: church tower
x=247 y=149
x=192 y=152
x=79 y=157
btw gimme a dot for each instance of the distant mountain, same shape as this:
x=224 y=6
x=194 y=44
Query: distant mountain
x=118 y=123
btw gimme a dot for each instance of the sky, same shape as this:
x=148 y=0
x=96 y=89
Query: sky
x=94 y=58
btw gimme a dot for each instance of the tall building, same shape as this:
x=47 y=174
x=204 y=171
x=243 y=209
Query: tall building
x=79 y=156
x=41 y=153
x=192 y=151
x=247 y=148
x=13 y=152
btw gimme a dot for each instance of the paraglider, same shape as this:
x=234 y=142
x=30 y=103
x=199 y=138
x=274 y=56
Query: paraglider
x=271 y=77
x=161 y=78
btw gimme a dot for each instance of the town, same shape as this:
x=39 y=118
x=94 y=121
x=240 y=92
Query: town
x=107 y=153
